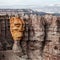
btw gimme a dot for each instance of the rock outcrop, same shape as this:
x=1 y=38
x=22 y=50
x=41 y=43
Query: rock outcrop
x=41 y=40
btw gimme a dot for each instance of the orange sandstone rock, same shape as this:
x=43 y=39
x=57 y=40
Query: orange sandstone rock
x=16 y=27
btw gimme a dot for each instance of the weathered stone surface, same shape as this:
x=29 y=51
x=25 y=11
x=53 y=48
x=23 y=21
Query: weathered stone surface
x=52 y=39
x=16 y=27
x=41 y=40
x=36 y=36
x=36 y=27
x=9 y=55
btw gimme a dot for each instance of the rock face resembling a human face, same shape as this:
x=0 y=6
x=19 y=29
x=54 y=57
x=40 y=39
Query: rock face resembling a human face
x=16 y=28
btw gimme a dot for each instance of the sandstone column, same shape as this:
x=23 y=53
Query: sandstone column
x=51 y=46
x=36 y=36
x=16 y=28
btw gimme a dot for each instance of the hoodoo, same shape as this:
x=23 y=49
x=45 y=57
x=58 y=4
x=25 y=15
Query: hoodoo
x=16 y=29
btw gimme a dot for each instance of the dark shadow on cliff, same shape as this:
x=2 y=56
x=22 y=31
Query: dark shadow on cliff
x=5 y=35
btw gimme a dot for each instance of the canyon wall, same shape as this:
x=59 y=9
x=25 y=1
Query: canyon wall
x=41 y=40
